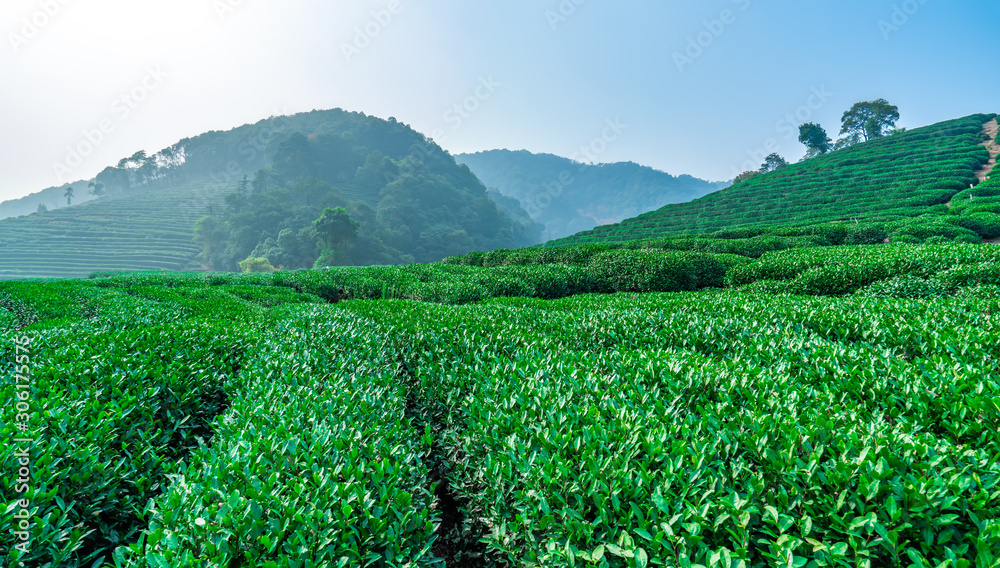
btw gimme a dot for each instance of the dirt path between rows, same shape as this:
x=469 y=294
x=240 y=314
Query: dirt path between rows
x=991 y=128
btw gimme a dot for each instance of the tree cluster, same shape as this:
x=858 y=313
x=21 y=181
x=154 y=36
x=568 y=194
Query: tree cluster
x=866 y=120
x=420 y=208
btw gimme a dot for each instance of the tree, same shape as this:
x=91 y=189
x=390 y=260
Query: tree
x=772 y=162
x=148 y=170
x=69 y=195
x=745 y=176
x=815 y=138
x=96 y=188
x=846 y=141
x=335 y=232
x=211 y=233
x=42 y=208
x=870 y=120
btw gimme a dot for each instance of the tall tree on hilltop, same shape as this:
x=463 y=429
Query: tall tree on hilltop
x=69 y=195
x=772 y=162
x=870 y=119
x=815 y=138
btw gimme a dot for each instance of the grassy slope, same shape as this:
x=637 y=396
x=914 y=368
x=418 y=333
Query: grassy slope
x=905 y=175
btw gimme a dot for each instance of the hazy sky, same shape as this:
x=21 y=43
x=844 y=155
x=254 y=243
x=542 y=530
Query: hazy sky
x=703 y=87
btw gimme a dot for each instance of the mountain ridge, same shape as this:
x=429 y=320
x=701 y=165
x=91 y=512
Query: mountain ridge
x=567 y=196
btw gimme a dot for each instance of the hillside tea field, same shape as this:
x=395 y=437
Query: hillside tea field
x=906 y=180
x=747 y=417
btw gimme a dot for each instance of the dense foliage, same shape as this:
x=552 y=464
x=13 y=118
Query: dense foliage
x=567 y=196
x=889 y=179
x=261 y=420
x=415 y=204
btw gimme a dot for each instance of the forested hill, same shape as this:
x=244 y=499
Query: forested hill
x=568 y=197
x=400 y=198
x=906 y=180
x=260 y=191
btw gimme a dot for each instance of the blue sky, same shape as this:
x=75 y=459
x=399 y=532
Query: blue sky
x=704 y=88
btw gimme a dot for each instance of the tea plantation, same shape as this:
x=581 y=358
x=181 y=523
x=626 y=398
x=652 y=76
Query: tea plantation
x=585 y=406
x=904 y=179
x=139 y=230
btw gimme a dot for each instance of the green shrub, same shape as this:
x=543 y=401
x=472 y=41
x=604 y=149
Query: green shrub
x=868 y=234
x=253 y=264
x=842 y=270
x=924 y=228
x=506 y=286
x=767 y=287
x=989 y=221
x=982 y=292
x=904 y=287
x=969 y=275
x=634 y=271
x=447 y=292
x=495 y=257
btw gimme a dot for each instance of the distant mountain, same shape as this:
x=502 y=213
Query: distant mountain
x=49 y=198
x=568 y=197
x=262 y=191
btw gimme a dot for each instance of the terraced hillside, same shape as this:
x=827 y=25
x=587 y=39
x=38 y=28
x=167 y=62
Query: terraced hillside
x=139 y=230
x=904 y=175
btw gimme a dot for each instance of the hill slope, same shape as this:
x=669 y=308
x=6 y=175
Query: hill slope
x=49 y=198
x=151 y=231
x=146 y=219
x=568 y=197
x=901 y=176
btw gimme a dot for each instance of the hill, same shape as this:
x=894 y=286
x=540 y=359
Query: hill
x=903 y=179
x=404 y=193
x=49 y=198
x=147 y=231
x=568 y=197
